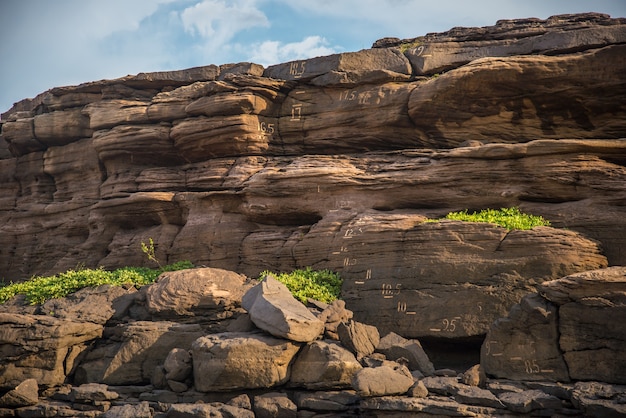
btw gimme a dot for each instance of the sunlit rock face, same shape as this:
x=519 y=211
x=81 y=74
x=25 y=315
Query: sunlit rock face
x=336 y=162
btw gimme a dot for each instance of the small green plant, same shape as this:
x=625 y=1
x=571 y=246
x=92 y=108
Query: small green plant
x=510 y=218
x=408 y=45
x=149 y=251
x=39 y=289
x=322 y=285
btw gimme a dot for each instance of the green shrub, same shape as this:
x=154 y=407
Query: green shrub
x=510 y=218
x=322 y=285
x=39 y=289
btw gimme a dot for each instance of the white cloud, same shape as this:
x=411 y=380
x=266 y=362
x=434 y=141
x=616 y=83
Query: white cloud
x=215 y=19
x=273 y=52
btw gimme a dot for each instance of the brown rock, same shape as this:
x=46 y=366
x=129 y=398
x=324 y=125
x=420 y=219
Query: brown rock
x=273 y=308
x=109 y=113
x=177 y=365
x=435 y=53
x=97 y=305
x=576 y=340
x=597 y=399
x=92 y=392
x=418 y=390
x=133 y=351
x=529 y=400
x=185 y=410
x=140 y=410
x=361 y=339
x=382 y=381
x=332 y=316
x=529 y=102
x=61 y=127
x=395 y=347
x=41 y=347
x=20 y=136
x=274 y=405
x=591 y=339
x=196 y=292
x=512 y=351
x=474 y=376
x=24 y=394
x=331 y=401
x=372 y=59
x=324 y=365
x=232 y=361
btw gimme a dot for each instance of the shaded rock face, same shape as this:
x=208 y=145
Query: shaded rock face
x=41 y=347
x=569 y=332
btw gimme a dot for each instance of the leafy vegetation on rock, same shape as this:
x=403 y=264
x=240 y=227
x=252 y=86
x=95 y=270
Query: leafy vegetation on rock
x=39 y=289
x=322 y=285
x=510 y=218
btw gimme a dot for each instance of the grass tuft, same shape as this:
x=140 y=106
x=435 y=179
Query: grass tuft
x=42 y=288
x=321 y=285
x=510 y=218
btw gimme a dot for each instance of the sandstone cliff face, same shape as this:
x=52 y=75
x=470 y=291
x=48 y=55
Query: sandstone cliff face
x=335 y=162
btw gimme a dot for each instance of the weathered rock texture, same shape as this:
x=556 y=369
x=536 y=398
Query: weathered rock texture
x=142 y=368
x=573 y=331
x=335 y=162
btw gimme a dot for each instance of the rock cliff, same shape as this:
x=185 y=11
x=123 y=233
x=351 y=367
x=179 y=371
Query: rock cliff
x=333 y=162
x=337 y=162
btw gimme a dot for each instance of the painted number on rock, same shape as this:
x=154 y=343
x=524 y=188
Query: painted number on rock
x=297 y=68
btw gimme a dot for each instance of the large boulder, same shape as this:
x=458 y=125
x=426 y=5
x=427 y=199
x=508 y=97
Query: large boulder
x=511 y=350
x=359 y=338
x=324 y=365
x=196 y=292
x=569 y=332
x=394 y=347
x=468 y=274
x=232 y=361
x=388 y=379
x=273 y=308
x=133 y=351
x=41 y=347
x=591 y=337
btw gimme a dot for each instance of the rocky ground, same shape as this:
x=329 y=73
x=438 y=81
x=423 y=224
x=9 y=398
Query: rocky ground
x=333 y=162
x=208 y=342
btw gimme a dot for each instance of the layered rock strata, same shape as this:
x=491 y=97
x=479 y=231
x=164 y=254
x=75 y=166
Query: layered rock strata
x=336 y=162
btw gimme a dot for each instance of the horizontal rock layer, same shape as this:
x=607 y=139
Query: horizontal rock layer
x=336 y=162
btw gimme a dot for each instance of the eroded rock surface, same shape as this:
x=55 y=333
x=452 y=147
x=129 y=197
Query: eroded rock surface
x=231 y=361
x=570 y=332
x=272 y=308
x=233 y=166
x=334 y=162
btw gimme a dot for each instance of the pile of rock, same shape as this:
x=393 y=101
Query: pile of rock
x=272 y=357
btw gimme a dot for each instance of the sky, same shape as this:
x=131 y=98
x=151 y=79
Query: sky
x=52 y=43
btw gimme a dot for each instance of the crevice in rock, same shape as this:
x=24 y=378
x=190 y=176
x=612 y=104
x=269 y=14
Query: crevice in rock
x=459 y=354
x=558 y=338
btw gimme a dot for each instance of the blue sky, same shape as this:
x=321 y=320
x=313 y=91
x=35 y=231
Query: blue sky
x=50 y=43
